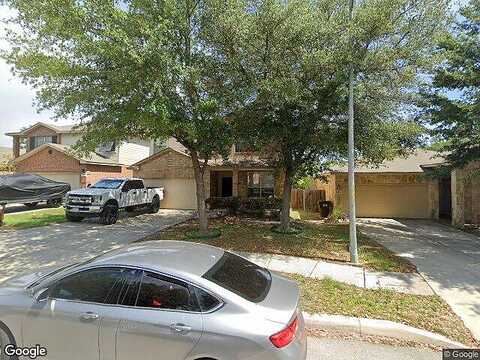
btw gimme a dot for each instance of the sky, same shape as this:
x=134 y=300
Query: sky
x=16 y=99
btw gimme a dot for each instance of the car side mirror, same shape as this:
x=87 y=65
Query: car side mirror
x=41 y=295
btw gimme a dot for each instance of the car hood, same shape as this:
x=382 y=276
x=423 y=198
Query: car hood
x=89 y=191
x=20 y=282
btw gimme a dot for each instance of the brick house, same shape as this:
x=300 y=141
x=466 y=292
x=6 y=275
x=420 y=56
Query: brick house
x=242 y=175
x=45 y=149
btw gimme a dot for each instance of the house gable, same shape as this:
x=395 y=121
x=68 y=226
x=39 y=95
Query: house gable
x=167 y=164
x=47 y=158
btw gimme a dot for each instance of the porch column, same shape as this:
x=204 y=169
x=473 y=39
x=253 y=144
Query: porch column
x=433 y=199
x=235 y=182
x=16 y=147
x=458 y=198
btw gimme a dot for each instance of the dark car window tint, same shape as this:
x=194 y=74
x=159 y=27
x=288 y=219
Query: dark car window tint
x=160 y=292
x=97 y=285
x=241 y=276
x=138 y=184
x=206 y=301
x=130 y=287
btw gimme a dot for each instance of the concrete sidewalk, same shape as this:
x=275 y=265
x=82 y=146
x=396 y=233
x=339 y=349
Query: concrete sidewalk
x=411 y=283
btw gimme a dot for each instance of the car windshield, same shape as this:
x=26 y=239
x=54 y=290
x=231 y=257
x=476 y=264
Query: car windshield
x=51 y=273
x=107 y=184
x=241 y=276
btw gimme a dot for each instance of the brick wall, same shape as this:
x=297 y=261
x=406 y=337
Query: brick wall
x=48 y=160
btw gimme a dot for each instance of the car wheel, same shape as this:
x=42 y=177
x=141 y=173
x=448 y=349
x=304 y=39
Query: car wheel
x=31 y=205
x=5 y=340
x=155 y=205
x=54 y=202
x=73 y=218
x=109 y=215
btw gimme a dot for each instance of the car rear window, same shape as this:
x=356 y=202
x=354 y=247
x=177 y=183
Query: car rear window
x=241 y=276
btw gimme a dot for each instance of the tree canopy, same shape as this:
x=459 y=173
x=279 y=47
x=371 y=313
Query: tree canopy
x=135 y=68
x=453 y=103
x=285 y=67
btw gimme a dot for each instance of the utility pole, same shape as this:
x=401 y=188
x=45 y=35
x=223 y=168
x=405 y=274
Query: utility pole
x=351 y=160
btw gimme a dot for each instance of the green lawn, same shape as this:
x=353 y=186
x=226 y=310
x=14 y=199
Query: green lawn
x=34 y=218
x=323 y=241
x=425 y=312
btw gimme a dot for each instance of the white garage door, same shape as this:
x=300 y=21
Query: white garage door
x=71 y=178
x=178 y=193
x=397 y=201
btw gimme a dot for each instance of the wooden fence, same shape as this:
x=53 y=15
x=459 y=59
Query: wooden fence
x=307 y=199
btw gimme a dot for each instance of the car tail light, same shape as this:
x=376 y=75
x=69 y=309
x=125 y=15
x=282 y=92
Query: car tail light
x=286 y=336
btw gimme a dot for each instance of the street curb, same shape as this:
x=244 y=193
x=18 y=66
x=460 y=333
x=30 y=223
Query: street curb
x=374 y=327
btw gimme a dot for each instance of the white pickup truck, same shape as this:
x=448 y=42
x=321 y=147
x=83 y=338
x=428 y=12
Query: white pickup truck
x=108 y=196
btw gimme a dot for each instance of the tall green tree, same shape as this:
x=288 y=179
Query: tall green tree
x=453 y=104
x=130 y=68
x=284 y=66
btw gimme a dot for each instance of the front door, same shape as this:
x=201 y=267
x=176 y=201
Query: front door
x=162 y=324
x=227 y=186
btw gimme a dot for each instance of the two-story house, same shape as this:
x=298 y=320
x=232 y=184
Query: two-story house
x=45 y=149
x=244 y=174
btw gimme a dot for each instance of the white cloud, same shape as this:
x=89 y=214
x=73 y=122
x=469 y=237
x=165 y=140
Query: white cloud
x=16 y=99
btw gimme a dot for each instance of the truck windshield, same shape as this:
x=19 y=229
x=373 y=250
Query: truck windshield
x=107 y=184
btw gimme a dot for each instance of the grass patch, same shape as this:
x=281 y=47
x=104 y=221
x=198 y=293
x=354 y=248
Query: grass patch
x=322 y=241
x=34 y=218
x=196 y=235
x=425 y=312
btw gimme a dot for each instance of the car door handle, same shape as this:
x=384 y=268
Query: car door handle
x=89 y=316
x=180 y=328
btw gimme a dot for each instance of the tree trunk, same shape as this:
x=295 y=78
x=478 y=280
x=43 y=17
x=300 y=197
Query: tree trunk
x=201 y=196
x=286 y=200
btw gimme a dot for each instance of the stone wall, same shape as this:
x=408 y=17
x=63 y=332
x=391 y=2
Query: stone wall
x=166 y=165
x=466 y=195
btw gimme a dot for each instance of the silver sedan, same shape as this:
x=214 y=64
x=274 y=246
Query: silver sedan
x=167 y=300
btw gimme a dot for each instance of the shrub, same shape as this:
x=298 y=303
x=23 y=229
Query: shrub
x=251 y=206
x=231 y=203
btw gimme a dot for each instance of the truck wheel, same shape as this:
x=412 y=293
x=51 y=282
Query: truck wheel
x=55 y=202
x=31 y=205
x=109 y=215
x=155 y=205
x=73 y=218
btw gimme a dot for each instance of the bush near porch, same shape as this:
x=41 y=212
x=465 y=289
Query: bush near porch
x=319 y=241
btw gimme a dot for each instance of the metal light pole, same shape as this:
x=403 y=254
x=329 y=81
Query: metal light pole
x=351 y=162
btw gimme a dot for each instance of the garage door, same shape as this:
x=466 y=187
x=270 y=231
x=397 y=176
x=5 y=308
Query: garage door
x=179 y=193
x=398 y=201
x=71 y=178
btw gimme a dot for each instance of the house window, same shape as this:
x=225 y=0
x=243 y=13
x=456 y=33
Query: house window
x=159 y=145
x=242 y=147
x=36 y=141
x=107 y=147
x=260 y=184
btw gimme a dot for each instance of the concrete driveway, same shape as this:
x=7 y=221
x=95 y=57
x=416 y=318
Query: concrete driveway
x=449 y=259
x=27 y=250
